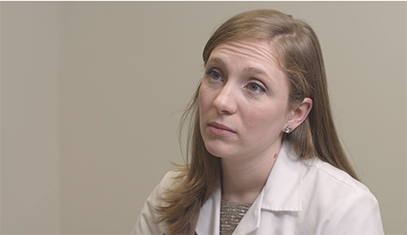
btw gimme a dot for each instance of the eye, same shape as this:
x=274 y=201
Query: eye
x=255 y=87
x=214 y=75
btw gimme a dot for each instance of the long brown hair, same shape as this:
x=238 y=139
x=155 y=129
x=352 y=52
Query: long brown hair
x=299 y=55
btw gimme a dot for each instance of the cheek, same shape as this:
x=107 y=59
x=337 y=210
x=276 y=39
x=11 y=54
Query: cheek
x=266 y=120
x=204 y=100
x=201 y=100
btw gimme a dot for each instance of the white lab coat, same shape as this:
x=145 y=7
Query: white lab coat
x=300 y=197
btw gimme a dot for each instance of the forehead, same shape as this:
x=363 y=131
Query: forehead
x=256 y=54
x=249 y=57
x=258 y=50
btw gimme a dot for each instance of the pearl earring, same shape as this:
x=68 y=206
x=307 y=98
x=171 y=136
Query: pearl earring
x=288 y=129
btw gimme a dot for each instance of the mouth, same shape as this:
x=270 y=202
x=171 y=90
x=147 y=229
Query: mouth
x=220 y=129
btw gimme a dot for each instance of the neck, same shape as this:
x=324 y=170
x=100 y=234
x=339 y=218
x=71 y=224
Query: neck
x=243 y=180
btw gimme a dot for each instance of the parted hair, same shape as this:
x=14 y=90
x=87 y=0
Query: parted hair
x=299 y=55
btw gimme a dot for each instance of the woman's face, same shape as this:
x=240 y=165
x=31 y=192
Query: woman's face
x=243 y=100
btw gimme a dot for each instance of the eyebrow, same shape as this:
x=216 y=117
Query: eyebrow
x=218 y=60
x=260 y=72
x=256 y=70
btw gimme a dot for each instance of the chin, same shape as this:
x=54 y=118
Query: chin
x=218 y=151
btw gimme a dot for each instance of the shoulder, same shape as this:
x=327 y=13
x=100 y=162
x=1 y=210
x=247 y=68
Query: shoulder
x=320 y=172
x=331 y=185
x=344 y=203
x=146 y=223
x=170 y=176
x=170 y=180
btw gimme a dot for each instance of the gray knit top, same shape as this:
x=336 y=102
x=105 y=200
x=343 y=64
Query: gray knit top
x=230 y=215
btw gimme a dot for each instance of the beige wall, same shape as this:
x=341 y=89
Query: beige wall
x=29 y=118
x=91 y=95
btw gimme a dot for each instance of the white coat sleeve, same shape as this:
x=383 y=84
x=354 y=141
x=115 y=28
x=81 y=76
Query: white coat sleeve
x=359 y=214
x=145 y=224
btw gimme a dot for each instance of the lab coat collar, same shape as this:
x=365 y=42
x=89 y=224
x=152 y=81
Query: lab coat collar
x=282 y=192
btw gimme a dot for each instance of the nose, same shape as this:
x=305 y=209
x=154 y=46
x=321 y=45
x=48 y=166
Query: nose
x=225 y=101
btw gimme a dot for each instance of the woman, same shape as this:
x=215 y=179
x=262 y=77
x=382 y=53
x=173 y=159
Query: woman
x=264 y=154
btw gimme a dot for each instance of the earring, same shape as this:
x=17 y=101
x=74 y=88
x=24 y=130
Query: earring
x=288 y=129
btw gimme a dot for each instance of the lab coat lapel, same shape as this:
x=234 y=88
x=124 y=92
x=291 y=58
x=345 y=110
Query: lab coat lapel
x=282 y=192
x=251 y=220
x=209 y=215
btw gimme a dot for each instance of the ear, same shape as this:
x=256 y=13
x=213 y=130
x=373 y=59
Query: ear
x=300 y=113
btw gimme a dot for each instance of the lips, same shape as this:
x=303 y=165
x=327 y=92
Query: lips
x=220 y=129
